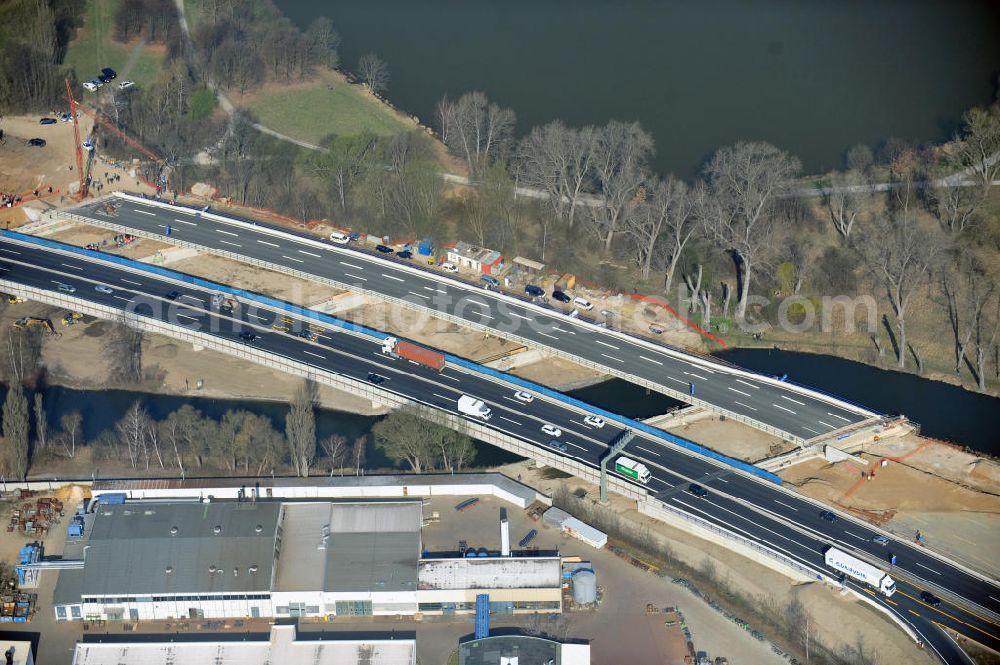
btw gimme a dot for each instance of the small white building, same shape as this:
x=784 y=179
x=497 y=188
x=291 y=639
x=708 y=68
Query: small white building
x=282 y=646
x=18 y=651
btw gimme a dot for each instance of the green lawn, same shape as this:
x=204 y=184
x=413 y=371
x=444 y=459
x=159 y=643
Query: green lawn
x=310 y=113
x=94 y=48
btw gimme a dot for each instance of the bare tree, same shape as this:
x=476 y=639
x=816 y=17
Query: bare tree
x=622 y=152
x=978 y=151
x=558 y=160
x=475 y=128
x=124 y=350
x=15 y=431
x=662 y=225
x=848 y=197
x=744 y=183
x=335 y=449
x=41 y=423
x=170 y=432
x=900 y=253
x=300 y=428
x=359 y=451
x=71 y=424
x=374 y=72
x=132 y=433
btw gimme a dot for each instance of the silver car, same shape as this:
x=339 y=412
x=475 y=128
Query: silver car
x=100 y=288
x=68 y=288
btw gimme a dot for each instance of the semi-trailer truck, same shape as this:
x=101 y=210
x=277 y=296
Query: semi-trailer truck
x=476 y=408
x=635 y=470
x=415 y=354
x=860 y=570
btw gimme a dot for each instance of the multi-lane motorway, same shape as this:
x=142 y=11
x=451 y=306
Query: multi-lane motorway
x=798 y=414
x=779 y=519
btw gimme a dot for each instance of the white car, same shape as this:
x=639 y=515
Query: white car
x=552 y=430
x=522 y=396
x=448 y=266
x=583 y=303
x=88 y=145
x=90 y=85
x=594 y=421
x=125 y=84
x=340 y=238
x=100 y=288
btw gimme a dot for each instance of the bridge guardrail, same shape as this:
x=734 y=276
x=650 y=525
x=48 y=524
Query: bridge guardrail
x=326 y=319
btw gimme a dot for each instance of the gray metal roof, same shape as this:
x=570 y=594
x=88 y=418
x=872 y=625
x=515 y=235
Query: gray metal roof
x=376 y=517
x=181 y=548
x=527 y=650
x=372 y=562
x=491 y=573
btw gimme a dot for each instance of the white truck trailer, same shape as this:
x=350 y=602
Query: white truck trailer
x=860 y=570
x=476 y=408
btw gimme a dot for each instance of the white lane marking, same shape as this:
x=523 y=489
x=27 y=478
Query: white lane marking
x=270 y=244
x=350 y=265
x=698 y=376
x=612 y=358
x=854 y=535
x=610 y=346
x=363 y=279
x=747 y=384
x=558 y=329
x=786 y=505
x=793 y=400
x=145 y=212
x=259 y=317
x=735 y=390
x=450 y=378
x=292 y=258
x=745 y=406
x=314 y=354
x=184 y=221
x=827 y=424
x=398 y=279
x=72 y=266
x=926 y=568
x=677 y=380
x=648 y=451
x=722 y=480
x=419 y=295
x=185 y=316
x=651 y=360
x=121 y=298
x=129 y=281
x=547 y=335
x=477 y=303
x=228 y=233
x=302 y=251
x=575 y=445
x=810 y=429
x=434 y=288
x=442 y=396
x=9 y=251
x=485 y=315
x=519 y=316
x=784 y=409
x=234 y=244
x=509 y=420
x=996 y=599
x=846 y=420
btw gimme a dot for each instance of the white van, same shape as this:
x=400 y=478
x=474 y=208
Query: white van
x=340 y=238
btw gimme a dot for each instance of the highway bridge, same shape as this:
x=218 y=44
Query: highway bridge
x=777 y=520
x=778 y=407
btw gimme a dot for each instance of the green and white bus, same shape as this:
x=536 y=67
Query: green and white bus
x=632 y=469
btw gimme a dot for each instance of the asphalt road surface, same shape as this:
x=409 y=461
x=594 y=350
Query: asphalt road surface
x=753 y=508
x=799 y=414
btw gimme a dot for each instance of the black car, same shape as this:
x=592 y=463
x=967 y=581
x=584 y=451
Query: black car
x=108 y=74
x=249 y=336
x=375 y=378
x=930 y=598
x=561 y=297
x=828 y=516
x=37 y=142
x=558 y=445
x=534 y=291
x=172 y=295
x=405 y=254
x=697 y=490
x=385 y=249
x=47 y=121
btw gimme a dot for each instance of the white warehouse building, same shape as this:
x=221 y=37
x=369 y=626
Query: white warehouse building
x=168 y=560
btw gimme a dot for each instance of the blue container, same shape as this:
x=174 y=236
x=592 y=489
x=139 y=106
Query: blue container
x=113 y=499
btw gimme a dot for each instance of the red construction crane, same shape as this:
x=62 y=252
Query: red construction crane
x=104 y=122
x=82 y=193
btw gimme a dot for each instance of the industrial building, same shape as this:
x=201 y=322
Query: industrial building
x=232 y=559
x=283 y=645
x=522 y=650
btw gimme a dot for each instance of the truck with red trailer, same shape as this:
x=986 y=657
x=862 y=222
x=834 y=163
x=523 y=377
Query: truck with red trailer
x=420 y=355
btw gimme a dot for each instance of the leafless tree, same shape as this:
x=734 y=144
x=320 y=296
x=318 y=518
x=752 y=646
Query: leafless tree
x=374 y=72
x=359 y=451
x=900 y=253
x=124 y=350
x=973 y=304
x=557 y=160
x=71 y=425
x=335 y=449
x=15 y=431
x=744 y=183
x=978 y=151
x=850 y=195
x=475 y=128
x=132 y=433
x=41 y=423
x=662 y=225
x=300 y=428
x=621 y=154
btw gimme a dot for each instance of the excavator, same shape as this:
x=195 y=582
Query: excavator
x=71 y=318
x=12 y=299
x=26 y=322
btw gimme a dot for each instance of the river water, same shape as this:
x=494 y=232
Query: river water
x=811 y=77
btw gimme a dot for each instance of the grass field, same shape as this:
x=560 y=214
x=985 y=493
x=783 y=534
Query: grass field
x=329 y=106
x=94 y=48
